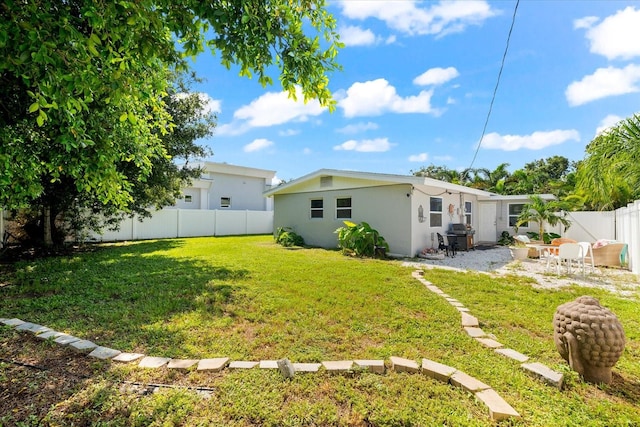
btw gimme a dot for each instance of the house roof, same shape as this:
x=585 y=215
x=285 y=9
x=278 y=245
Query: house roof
x=416 y=181
x=214 y=167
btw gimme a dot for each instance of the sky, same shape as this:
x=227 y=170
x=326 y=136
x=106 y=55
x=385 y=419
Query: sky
x=417 y=84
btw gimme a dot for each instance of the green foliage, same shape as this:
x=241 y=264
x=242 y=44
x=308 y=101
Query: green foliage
x=287 y=237
x=84 y=86
x=609 y=176
x=360 y=240
x=544 y=212
x=506 y=239
x=548 y=237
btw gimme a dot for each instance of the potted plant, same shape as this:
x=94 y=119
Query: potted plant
x=519 y=248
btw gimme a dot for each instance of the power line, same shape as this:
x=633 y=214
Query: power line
x=495 y=90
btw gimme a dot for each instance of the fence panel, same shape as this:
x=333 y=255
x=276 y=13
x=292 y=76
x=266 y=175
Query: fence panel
x=628 y=231
x=196 y=223
x=591 y=226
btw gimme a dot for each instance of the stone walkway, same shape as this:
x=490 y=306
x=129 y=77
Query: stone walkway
x=498 y=408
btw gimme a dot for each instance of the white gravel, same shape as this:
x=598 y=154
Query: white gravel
x=498 y=261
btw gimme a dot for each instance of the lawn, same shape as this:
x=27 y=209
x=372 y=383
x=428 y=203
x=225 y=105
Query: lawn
x=249 y=299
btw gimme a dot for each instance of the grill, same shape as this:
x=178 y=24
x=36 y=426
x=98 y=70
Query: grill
x=462 y=236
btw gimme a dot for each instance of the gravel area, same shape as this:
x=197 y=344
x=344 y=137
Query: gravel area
x=497 y=260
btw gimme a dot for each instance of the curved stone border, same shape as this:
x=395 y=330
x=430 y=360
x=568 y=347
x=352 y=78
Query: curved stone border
x=499 y=409
x=472 y=328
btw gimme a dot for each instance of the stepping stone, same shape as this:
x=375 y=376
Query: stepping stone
x=512 y=354
x=32 y=327
x=306 y=367
x=181 y=363
x=456 y=304
x=215 y=365
x=469 y=320
x=66 y=339
x=238 y=364
x=268 y=364
x=437 y=370
x=375 y=366
x=399 y=364
x=499 y=409
x=545 y=373
x=13 y=322
x=448 y=298
x=488 y=342
x=467 y=382
x=83 y=346
x=475 y=332
x=50 y=334
x=153 y=362
x=338 y=366
x=104 y=353
x=462 y=309
x=127 y=357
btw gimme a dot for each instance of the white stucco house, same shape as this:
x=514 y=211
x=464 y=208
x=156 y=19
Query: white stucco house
x=228 y=187
x=408 y=211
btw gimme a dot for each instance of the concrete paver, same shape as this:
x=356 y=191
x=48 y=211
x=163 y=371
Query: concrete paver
x=127 y=357
x=215 y=365
x=400 y=364
x=545 y=373
x=338 y=366
x=181 y=363
x=375 y=366
x=437 y=370
x=467 y=382
x=104 y=353
x=153 y=362
x=242 y=364
x=499 y=409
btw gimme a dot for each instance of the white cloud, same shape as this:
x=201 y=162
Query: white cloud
x=376 y=97
x=356 y=36
x=450 y=101
x=271 y=109
x=378 y=145
x=422 y=157
x=407 y=17
x=607 y=122
x=257 y=145
x=604 y=82
x=586 y=22
x=358 y=127
x=616 y=37
x=436 y=76
x=535 y=141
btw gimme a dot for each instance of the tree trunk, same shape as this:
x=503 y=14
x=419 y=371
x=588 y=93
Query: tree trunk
x=48 y=239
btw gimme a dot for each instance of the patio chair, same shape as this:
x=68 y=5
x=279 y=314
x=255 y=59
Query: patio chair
x=587 y=255
x=568 y=253
x=447 y=248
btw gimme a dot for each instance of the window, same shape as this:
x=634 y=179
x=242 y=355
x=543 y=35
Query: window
x=225 y=202
x=435 y=211
x=514 y=212
x=317 y=208
x=343 y=208
x=467 y=212
x=188 y=198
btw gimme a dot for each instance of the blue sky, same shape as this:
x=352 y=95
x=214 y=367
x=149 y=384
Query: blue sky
x=417 y=82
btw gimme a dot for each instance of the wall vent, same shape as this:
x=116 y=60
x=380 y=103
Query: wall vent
x=326 y=181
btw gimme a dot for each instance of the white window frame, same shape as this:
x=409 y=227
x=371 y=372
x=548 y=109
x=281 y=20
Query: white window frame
x=226 y=205
x=468 y=213
x=433 y=214
x=515 y=216
x=313 y=209
x=344 y=208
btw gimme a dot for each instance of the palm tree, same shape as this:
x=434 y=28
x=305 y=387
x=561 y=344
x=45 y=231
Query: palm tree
x=544 y=212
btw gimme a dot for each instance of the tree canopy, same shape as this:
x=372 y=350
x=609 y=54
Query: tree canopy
x=84 y=83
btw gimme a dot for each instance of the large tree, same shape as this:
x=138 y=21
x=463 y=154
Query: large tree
x=83 y=83
x=609 y=175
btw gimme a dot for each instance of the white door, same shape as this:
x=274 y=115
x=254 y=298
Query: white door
x=487 y=221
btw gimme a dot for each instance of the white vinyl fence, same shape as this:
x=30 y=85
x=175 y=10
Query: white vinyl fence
x=171 y=223
x=628 y=231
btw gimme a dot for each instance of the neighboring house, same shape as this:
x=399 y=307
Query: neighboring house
x=228 y=187
x=408 y=211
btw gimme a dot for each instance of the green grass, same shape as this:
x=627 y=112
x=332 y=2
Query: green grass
x=249 y=299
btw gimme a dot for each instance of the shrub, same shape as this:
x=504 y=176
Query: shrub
x=287 y=237
x=360 y=240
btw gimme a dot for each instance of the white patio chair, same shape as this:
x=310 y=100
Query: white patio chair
x=587 y=255
x=568 y=253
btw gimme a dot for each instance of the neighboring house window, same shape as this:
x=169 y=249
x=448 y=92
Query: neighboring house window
x=188 y=198
x=225 y=202
x=317 y=208
x=343 y=208
x=467 y=212
x=435 y=211
x=514 y=212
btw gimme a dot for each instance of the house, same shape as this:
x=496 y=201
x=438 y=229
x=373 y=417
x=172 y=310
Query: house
x=408 y=211
x=228 y=187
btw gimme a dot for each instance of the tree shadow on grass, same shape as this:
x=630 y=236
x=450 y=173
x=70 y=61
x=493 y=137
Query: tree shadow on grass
x=623 y=388
x=126 y=295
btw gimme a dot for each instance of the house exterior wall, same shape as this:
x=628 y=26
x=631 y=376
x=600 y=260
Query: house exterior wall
x=503 y=220
x=386 y=208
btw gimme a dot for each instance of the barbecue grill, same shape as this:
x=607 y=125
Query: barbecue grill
x=462 y=236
